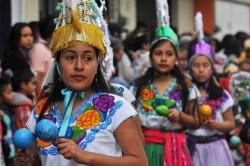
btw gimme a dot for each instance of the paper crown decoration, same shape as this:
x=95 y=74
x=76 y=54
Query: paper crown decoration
x=78 y=21
x=82 y=21
x=164 y=31
x=201 y=47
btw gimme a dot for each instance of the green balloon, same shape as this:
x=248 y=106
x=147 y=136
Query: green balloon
x=162 y=110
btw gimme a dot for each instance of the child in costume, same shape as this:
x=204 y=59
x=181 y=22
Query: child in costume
x=7 y=119
x=97 y=126
x=165 y=100
x=24 y=84
x=207 y=144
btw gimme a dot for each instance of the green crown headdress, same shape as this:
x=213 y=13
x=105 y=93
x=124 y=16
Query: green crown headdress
x=164 y=31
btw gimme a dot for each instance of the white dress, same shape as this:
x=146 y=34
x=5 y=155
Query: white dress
x=219 y=108
x=124 y=92
x=221 y=154
x=105 y=111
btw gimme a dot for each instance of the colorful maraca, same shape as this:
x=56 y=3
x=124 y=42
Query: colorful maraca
x=22 y=138
x=206 y=111
x=46 y=130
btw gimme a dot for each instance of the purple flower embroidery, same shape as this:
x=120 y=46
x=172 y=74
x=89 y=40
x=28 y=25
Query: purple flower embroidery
x=103 y=103
x=175 y=95
x=215 y=104
x=224 y=98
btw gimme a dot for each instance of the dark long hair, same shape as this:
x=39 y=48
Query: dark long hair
x=99 y=84
x=150 y=76
x=15 y=36
x=214 y=90
x=13 y=58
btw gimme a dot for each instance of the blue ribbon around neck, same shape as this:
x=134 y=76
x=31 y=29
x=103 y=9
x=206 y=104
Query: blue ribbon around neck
x=69 y=100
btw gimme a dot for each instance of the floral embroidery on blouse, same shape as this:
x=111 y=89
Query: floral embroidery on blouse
x=119 y=90
x=94 y=115
x=147 y=94
x=103 y=103
x=151 y=101
x=215 y=105
x=88 y=119
x=40 y=105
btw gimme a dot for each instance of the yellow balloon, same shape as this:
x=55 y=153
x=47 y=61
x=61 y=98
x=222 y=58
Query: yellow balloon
x=206 y=110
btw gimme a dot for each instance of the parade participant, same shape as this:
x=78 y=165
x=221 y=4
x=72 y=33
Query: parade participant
x=207 y=144
x=95 y=126
x=165 y=99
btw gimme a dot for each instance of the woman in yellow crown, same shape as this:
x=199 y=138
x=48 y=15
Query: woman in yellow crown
x=100 y=128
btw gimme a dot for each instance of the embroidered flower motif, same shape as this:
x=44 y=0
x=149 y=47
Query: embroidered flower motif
x=103 y=103
x=175 y=95
x=44 y=93
x=224 y=99
x=187 y=83
x=40 y=105
x=147 y=107
x=88 y=119
x=147 y=94
x=42 y=143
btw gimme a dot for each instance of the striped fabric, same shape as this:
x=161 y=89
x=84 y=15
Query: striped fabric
x=166 y=149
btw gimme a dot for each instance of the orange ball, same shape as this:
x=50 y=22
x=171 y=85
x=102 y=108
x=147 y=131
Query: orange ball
x=206 y=110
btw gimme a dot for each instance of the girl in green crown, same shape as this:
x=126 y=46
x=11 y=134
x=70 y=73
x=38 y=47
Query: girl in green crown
x=166 y=101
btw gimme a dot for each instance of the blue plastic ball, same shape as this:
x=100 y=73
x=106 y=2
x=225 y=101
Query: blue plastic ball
x=46 y=130
x=235 y=140
x=22 y=138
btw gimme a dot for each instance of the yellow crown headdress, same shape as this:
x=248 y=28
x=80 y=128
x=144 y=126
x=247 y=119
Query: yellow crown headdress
x=82 y=21
x=78 y=21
